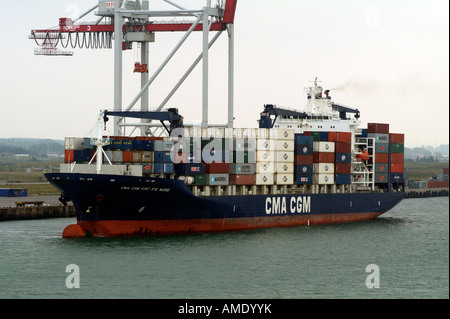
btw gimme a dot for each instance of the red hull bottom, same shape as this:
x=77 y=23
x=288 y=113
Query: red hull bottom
x=131 y=228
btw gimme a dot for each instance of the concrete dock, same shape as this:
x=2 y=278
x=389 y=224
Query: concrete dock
x=50 y=208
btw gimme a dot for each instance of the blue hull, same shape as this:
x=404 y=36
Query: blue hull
x=111 y=205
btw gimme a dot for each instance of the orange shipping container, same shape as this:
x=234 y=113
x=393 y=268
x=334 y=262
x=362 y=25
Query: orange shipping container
x=433 y=184
x=68 y=156
x=443 y=184
x=344 y=137
x=397 y=158
x=397 y=168
x=382 y=158
x=242 y=179
x=340 y=137
x=304 y=159
x=332 y=136
x=127 y=156
x=342 y=168
x=397 y=138
x=343 y=147
x=323 y=157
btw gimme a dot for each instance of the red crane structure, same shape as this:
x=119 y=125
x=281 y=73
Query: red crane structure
x=135 y=22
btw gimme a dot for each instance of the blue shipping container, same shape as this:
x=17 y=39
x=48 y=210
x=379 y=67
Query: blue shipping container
x=162 y=157
x=190 y=169
x=343 y=158
x=303 y=139
x=148 y=145
x=78 y=155
x=127 y=145
x=303 y=169
x=117 y=144
x=303 y=149
x=302 y=179
x=13 y=192
x=324 y=136
x=341 y=179
x=87 y=154
x=396 y=177
x=168 y=168
x=158 y=168
x=138 y=145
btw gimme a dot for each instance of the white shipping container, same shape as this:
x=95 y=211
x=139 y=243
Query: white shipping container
x=285 y=157
x=242 y=144
x=265 y=144
x=323 y=179
x=285 y=179
x=133 y=170
x=238 y=133
x=282 y=134
x=264 y=179
x=263 y=133
x=285 y=168
x=324 y=147
x=262 y=167
x=285 y=145
x=265 y=156
x=74 y=143
x=326 y=168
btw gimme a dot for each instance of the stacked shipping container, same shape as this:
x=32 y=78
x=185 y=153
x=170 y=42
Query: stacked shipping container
x=251 y=156
x=380 y=133
x=397 y=158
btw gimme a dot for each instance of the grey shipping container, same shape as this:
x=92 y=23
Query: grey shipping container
x=218 y=179
x=242 y=169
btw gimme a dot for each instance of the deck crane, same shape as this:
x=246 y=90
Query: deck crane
x=135 y=22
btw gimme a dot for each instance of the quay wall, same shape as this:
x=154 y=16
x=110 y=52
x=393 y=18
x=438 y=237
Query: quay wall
x=36 y=212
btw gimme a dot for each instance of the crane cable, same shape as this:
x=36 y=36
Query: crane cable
x=96 y=40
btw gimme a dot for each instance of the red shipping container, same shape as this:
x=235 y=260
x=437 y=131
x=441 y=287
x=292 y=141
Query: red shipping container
x=303 y=159
x=445 y=171
x=442 y=184
x=332 y=136
x=242 y=179
x=397 y=158
x=217 y=168
x=323 y=157
x=127 y=156
x=342 y=168
x=397 y=138
x=433 y=184
x=382 y=158
x=397 y=168
x=344 y=137
x=68 y=156
x=377 y=128
x=340 y=137
x=343 y=147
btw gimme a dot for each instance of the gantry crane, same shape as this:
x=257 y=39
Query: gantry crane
x=135 y=22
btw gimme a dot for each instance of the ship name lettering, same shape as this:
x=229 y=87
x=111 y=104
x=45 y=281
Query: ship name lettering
x=278 y=205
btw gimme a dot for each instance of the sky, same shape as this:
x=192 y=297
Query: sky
x=388 y=58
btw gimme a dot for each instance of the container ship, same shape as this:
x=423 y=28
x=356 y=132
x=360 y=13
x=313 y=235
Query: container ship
x=310 y=167
x=298 y=168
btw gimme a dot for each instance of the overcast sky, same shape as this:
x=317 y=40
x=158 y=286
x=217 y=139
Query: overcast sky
x=388 y=58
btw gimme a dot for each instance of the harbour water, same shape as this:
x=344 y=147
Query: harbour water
x=409 y=246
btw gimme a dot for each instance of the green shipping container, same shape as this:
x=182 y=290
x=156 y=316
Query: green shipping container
x=397 y=148
x=316 y=136
x=200 y=180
